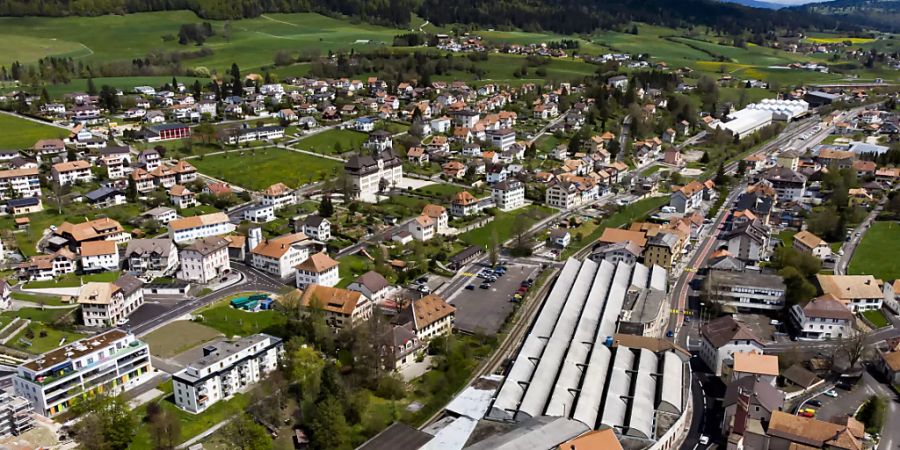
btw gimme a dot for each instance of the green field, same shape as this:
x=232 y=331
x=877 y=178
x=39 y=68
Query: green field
x=333 y=142
x=440 y=191
x=16 y=133
x=45 y=338
x=73 y=280
x=177 y=337
x=351 y=267
x=876 y=317
x=877 y=253
x=259 y=169
x=39 y=315
x=235 y=322
x=502 y=225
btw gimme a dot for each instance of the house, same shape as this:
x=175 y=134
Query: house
x=760 y=398
x=74 y=235
x=439 y=214
x=342 y=308
x=864 y=168
x=161 y=214
x=204 y=260
x=619 y=82
x=824 y=317
x=371 y=284
x=806 y=242
x=464 y=204
x=259 y=214
x=755 y=365
x=198 y=227
x=217 y=189
x=625 y=251
x=371 y=174
x=225 y=369
x=49 y=149
x=617 y=235
x=47 y=267
x=673 y=157
x=508 y=195
x=422 y=228
x=317 y=227
x=687 y=198
x=454 y=169
x=278 y=196
x=72 y=172
x=105 y=197
x=99 y=256
x=278 y=256
x=856 y=292
x=20 y=183
x=110 y=304
x=378 y=141
x=722 y=338
x=747 y=291
x=440 y=125
x=151 y=258
x=27 y=205
x=888 y=363
x=417 y=155
x=182 y=197
x=830 y=157
x=502 y=138
x=571 y=192
x=748 y=241
x=662 y=249
x=428 y=317
x=560 y=237
x=319 y=269
x=118 y=353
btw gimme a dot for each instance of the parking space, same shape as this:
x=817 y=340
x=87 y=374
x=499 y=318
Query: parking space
x=484 y=310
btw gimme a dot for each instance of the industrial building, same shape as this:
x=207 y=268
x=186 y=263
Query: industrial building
x=573 y=363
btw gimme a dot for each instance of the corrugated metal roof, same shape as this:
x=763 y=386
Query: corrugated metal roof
x=640 y=423
x=671 y=394
x=615 y=406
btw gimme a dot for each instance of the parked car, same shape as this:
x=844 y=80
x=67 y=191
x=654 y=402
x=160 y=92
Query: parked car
x=831 y=393
x=805 y=413
x=815 y=403
x=485 y=286
x=470 y=287
x=704 y=439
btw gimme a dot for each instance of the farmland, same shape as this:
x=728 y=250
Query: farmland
x=259 y=169
x=16 y=133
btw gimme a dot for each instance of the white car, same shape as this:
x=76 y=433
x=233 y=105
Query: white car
x=704 y=439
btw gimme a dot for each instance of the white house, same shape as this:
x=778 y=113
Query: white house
x=99 y=256
x=204 y=260
x=721 y=338
x=508 y=195
x=260 y=214
x=318 y=269
x=109 y=304
x=687 y=198
x=151 y=257
x=822 y=318
x=371 y=284
x=422 y=228
x=225 y=369
x=72 y=172
x=280 y=255
x=440 y=216
x=278 y=196
x=317 y=227
x=806 y=242
x=428 y=317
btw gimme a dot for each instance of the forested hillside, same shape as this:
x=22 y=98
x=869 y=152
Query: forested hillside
x=561 y=16
x=880 y=14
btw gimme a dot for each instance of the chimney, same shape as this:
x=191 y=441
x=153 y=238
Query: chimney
x=741 y=413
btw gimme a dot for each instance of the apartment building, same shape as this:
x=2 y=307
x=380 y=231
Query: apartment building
x=823 y=317
x=20 y=183
x=15 y=415
x=428 y=317
x=278 y=256
x=317 y=227
x=722 y=338
x=48 y=267
x=365 y=172
x=110 y=304
x=204 y=260
x=278 y=196
x=570 y=194
x=225 y=369
x=342 y=308
x=747 y=291
x=71 y=172
x=110 y=362
x=508 y=195
x=74 y=235
x=199 y=227
x=151 y=257
x=806 y=242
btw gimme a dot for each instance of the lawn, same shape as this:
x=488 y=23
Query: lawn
x=503 y=225
x=351 y=267
x=877 y=253
x=45 y=338
x=48 y=300
x=440 y=191
x=333 y=142
x=73 y=280
x=624 y=216
x=235 y=322
x=17 y=133
x=876 y=317
x=48 y=316
x=191 y=424
x=259 y=169
x=177 y=337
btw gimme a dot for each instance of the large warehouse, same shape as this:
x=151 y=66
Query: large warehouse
x=573 y=363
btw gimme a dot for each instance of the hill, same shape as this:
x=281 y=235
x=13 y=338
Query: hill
x=561 y=16
x=756 y=4
x=881 y=14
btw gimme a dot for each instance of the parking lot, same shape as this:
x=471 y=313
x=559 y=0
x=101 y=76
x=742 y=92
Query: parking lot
x=484 y=310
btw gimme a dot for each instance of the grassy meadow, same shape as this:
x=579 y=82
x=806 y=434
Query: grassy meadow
x=259 y=169
x=17 y=133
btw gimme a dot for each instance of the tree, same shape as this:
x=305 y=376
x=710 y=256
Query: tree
x=328 y=426
x=494 y=248
x=107 y=424
x=854 y=347
x=305 y=366
x=872 y=413
x=741 y=168
x=91 y=87
x=236 y=87
x=326 y=208
x=165 y=429
x=705 y=158
x=797 y=288
x=243 y=433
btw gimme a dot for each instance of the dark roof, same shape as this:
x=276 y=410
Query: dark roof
x=467 y=253
x=129 y=284
x=398 y=436
x=368 y=163
x=761 y=393
x=725 y=329
x=754 y=229
x=798 y=375
x=20 y=202
x=100 y=194
x=372 y=280
x=313 y=220
x=726 y=263
x=114 y=150
x=508 y=185
x=779 y=173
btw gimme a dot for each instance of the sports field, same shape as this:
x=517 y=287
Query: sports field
x=877 y=253
x=259 y=169
x=17 y=133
